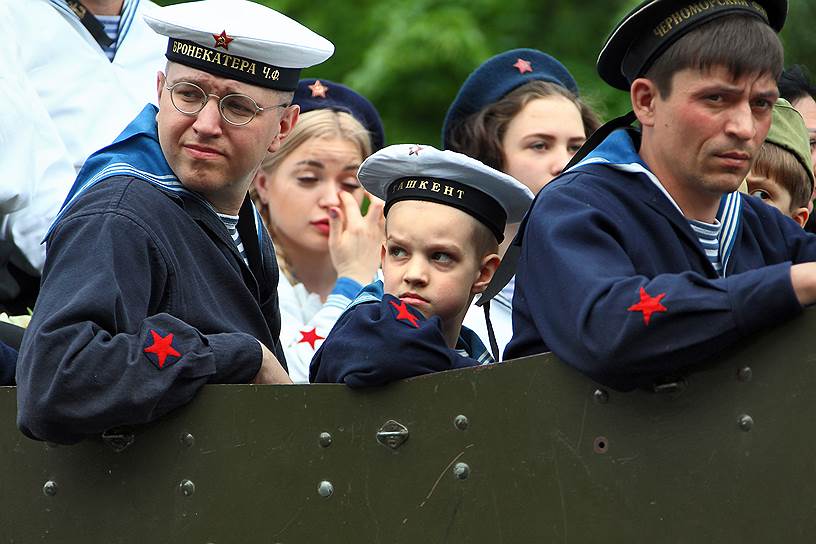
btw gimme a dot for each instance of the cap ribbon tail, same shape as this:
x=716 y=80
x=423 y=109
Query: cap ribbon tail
x=507 y=268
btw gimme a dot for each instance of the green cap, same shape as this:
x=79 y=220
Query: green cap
x=789 y=132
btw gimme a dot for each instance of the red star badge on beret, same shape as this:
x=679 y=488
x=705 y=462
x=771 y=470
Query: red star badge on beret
x=414 y=150
x=310 y=337
x=318 y=89
x=404 y=314
x=523 y=66
x=162 y=347
x=648 y=305
x=222 y=40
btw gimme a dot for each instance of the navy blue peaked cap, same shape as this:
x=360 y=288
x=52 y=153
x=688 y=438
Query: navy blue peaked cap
x=498 y=76
x=322 y=94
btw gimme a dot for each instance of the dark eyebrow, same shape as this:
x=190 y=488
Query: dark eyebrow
x=352 y=167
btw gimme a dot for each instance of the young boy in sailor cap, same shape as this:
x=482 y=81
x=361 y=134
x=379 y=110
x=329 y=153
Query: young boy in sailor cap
x=159 y=276
x=651 y=261
x=445 y=216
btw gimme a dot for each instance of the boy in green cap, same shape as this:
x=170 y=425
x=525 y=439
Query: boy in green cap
x=782 y=175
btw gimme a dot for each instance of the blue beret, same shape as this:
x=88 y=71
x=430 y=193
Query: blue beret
x=322 y=94
x=499 y=75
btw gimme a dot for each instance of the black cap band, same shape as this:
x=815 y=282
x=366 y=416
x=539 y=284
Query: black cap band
x=231 y=66
x=669 y=28
x=470 y=200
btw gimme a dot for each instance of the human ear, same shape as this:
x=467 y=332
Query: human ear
x=159 y=84
x=487 y=268
x=287 y=122
x=643 y=94
x=261 y=183
x=800 y=215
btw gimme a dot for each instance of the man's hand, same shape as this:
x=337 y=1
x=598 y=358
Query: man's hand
x=271 y=371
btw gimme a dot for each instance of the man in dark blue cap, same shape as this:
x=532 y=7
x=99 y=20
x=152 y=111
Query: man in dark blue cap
x=642 y=258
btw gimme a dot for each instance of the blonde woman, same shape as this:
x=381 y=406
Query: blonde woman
x=310 y=199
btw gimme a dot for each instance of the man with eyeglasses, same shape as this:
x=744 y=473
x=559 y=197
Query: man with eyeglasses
x=159 y=276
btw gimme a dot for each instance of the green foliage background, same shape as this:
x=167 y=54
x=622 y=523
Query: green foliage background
x=410 y=56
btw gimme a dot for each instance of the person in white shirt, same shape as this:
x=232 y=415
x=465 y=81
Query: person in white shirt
x=90 y=75
x=310 y=199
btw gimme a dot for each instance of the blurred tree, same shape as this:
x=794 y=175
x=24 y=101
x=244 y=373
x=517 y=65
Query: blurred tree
x=410 y=56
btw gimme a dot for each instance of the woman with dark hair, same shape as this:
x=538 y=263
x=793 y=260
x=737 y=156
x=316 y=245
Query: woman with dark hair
x=518 y=112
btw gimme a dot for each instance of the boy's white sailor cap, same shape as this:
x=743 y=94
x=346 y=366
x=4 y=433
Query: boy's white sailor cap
x=421 y=172
x=241 y=40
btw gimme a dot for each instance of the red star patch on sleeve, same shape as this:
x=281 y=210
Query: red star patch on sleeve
x=222 y=40
x=162 y=348
x=310 y=337
x=648 y=305
x=414 y=150
x=523 y=66
x=318 y=89
x=404 y=314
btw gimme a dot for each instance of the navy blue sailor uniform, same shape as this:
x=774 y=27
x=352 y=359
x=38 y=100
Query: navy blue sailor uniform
x=145 y=298
x=146 y=293
x=379 y=339
x=613 y=279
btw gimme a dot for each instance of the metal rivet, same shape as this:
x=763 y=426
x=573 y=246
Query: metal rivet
x=601 y=444
x=745 y=374
x=600 y=396
x=188 y=440
x=461 y=422
x=461 y=471
x=746 y=422
x=325 y=489
x=325 y=440
x=187 y=488
x=50 y=488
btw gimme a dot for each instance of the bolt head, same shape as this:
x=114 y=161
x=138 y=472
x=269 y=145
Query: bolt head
x=746 y=422
x=188 y=440
x=600 y=396
x=50 y=488
x=187 y=488
x=325 y=489
x=461 y=471
x=745 y=374
x=325 y=440
x=461 y=422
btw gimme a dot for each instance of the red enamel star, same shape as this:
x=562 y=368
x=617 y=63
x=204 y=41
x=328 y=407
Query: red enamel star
x=318 y=89
x=523 y=66
x=414 y=150
x=648 y=305
x=310 y=337
x=222 y=40
x=162 y=347
x=404 y=314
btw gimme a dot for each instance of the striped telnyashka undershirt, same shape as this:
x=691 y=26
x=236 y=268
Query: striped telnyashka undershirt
x=231 y=222
x=708 y=235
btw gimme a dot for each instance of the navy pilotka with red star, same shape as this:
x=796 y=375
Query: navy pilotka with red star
x=380 y=339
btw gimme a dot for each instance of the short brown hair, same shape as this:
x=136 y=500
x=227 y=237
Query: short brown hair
x=784 y=168
x=480 y=135
x=741 y=43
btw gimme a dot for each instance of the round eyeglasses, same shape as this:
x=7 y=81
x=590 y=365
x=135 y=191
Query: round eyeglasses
x=236 y=109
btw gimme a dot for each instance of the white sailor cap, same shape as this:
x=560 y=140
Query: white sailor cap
x=241 y=40
x=421 y=172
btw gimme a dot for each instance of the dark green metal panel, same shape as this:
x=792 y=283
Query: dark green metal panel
x=548 y=460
